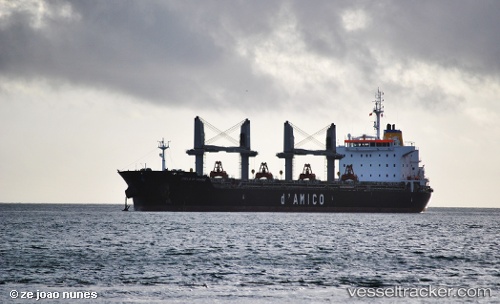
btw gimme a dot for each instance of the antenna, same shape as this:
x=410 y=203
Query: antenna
x=162 y=147
x=378 y=110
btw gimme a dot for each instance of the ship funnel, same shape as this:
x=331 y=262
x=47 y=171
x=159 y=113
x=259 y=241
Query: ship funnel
x=394 y=134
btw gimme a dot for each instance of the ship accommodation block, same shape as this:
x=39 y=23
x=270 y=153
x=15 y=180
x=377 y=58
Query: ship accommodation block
x=382 y=160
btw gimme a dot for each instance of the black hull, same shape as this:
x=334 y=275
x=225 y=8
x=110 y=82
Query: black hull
x=184 y=191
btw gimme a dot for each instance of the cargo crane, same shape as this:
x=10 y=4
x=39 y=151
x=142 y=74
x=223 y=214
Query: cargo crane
x=289 y=149
x=218 y=170
x=349 y=174
x=201 y=147
x=264 y=172
x=307 y=173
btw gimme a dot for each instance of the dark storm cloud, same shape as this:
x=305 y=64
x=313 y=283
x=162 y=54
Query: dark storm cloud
x=453 y=34
x=155 y=51
x=185 y=52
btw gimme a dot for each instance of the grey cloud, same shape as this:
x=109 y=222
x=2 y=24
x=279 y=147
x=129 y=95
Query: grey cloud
x=184 y=53
x=142 y=48
x=454 y=34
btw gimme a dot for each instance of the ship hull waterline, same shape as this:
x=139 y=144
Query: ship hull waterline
x=187 y=192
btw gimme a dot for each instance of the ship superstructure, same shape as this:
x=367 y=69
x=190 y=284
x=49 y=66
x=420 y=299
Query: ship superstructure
x=378 y=175
x=386 y=159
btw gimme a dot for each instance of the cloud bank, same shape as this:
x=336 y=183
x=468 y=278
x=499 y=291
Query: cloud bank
x=259 y=53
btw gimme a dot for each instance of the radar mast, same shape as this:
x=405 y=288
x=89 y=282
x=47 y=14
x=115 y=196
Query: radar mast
x=378 y=110
x=163 y=147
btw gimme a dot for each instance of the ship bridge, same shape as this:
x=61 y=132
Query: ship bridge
x=368 y=143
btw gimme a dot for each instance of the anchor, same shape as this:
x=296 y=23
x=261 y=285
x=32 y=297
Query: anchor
x=126 y=206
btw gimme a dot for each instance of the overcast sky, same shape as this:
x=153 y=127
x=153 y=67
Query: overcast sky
x=89 y=87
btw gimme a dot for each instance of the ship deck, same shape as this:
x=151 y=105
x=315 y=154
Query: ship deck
x=282 y=184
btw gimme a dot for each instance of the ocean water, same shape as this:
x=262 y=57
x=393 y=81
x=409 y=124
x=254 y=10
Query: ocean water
x=97 y=253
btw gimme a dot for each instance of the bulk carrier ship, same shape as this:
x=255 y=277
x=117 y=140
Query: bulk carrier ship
x=380 y=174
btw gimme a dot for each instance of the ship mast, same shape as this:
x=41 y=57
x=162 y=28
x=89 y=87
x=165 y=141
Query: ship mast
x=163 y=147
x=378 y=110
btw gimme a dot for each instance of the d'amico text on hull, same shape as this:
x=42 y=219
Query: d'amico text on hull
x=380 y=175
